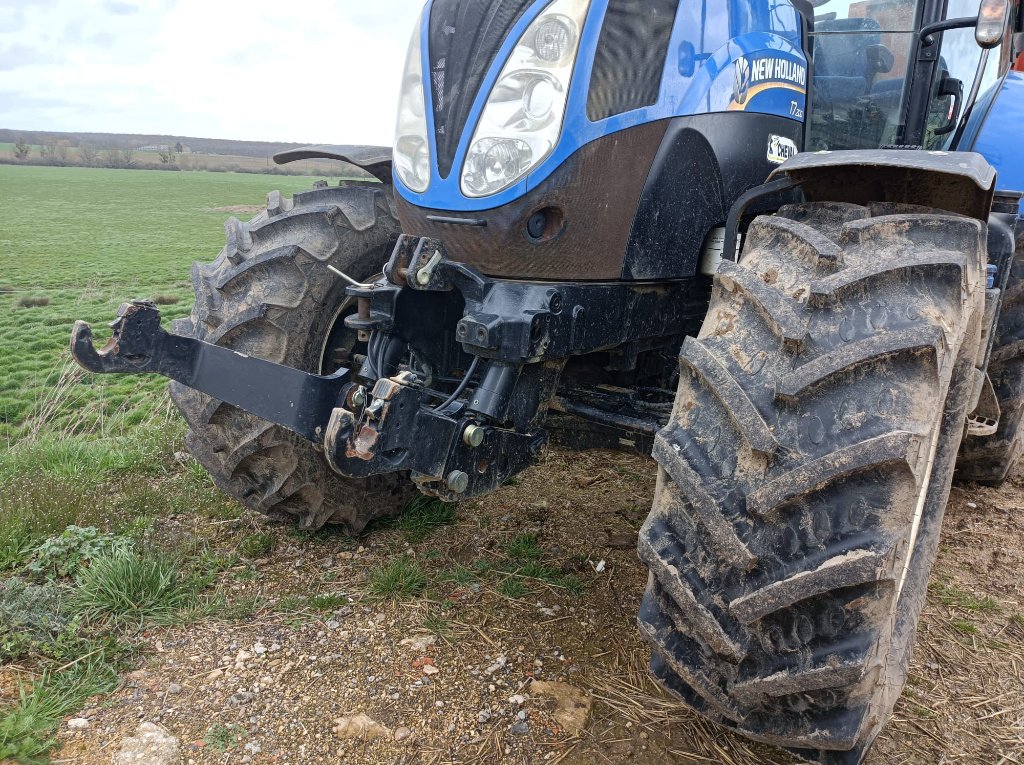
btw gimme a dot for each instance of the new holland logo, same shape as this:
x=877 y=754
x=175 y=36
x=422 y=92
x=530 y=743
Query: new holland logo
x=741 y=83
x=752 y=76
x=780 y=149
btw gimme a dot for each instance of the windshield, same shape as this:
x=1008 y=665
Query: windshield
x=861 y=61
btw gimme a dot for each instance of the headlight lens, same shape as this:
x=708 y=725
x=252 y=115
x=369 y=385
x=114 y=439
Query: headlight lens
x=412 y=145
x=522 y=120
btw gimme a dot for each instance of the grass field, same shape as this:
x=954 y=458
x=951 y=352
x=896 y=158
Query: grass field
x=85 y=240
x=87 y=463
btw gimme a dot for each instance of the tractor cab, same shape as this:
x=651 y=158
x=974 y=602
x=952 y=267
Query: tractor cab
x=883 y=74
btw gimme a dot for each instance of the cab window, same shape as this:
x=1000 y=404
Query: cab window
x=862 y=52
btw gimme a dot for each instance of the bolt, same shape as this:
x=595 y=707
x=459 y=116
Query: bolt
x=473 y=436
x=458 y=481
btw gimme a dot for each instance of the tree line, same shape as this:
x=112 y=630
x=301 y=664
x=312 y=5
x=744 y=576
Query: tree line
x=61 y=153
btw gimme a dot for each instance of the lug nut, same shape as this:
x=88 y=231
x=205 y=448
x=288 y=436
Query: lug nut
x=458 y=481
x=473 y=436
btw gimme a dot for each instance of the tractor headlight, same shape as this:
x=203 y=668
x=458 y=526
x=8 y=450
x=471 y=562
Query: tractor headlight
x=412 y=146
x=522 y=120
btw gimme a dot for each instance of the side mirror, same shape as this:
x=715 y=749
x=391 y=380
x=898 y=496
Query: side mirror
x=993 y=16
x=687 y=59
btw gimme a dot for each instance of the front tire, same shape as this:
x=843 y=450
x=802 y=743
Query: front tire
x=805 y=471
x=269 y=294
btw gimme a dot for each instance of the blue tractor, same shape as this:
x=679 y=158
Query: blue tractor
x=774 y=243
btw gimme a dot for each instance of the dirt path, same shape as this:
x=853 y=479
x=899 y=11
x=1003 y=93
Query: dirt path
x=270 y=689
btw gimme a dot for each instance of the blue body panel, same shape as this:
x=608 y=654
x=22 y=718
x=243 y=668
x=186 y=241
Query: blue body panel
x=999 y=138
x=750 y=59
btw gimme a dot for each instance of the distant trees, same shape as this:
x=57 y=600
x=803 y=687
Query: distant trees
x=113 y=158
x=55 y=152
x=168 y=155
x=128 y=156
x=179 y=148
x=62 y=152
x=21 y=149
x=87 y=154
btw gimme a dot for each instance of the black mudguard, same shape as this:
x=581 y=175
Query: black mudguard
x=376 y=160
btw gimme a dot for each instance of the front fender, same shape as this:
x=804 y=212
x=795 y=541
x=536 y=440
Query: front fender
x=376 y=160
x=958 y=182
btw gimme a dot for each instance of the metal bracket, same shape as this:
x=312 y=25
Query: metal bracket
x=984 y=420
x=740 y=207
x=296 y=400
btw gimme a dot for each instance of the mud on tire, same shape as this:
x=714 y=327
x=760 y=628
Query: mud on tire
x=269 y=294
x=805 y=471
x=989 y=459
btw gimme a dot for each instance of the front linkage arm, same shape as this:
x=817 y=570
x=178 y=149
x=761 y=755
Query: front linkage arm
x=508 y=343
x=388 y=430
x=298 y=401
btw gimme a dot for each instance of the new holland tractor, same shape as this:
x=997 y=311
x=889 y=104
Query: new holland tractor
x=770 y=242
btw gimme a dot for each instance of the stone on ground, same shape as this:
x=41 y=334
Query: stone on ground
x=151 y=745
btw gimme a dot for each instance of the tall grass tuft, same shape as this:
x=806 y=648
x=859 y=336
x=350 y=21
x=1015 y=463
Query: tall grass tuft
x=27 y=728
x=134 y=587
x=401 y=578
x=424 y=515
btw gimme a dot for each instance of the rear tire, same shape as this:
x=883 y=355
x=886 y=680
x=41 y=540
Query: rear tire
x=988 y=460
x=805 y=471
x=269 y=294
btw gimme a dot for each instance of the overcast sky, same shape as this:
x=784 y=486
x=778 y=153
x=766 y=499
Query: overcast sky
x=319 y=71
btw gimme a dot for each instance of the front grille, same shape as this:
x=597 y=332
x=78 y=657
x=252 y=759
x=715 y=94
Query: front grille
x=465 y=36
x=630 y=58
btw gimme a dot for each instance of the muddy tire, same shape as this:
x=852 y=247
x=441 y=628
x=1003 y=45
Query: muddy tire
x=805 y=471
x=989 y=459
x=269 y=294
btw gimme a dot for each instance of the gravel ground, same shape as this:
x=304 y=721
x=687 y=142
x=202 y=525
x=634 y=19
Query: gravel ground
x=473 y=669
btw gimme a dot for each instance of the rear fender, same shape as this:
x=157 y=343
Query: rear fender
x=376 y=160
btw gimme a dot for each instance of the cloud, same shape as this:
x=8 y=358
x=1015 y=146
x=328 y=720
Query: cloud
x=319 y=71
x=16 y=56
x=120 y=9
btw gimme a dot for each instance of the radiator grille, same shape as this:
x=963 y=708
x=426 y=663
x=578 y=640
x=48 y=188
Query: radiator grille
x=630 y=58
x=464 y=38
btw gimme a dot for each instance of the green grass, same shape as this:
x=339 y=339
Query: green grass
x=524 y=547
x=98 y=453
x=223 y=738
x=399 y=579
x=256 y=545
x=438 y=625
x=423 y=516
x=420 y=518
x=953 y=597
x=130 y=587
x=28 y=728
x=88 y=239
x=458 y=574
x=513 y=587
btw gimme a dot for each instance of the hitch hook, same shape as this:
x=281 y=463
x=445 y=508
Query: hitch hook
x=130 y=348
